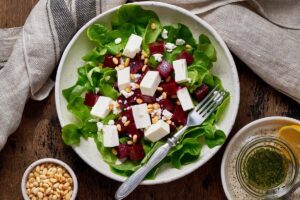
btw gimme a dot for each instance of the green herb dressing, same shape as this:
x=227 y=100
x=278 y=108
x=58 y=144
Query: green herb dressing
x=265 y=168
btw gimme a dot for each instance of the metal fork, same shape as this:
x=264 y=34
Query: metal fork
x=196 y=117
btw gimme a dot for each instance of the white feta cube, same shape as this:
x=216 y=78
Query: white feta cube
x=185 y=99
x=110 y=136
x=150 y=83
x=141 y=116
x=123 y=78
x=180 y=69
x=101 y=108
x=133 y=46
x=157 y=131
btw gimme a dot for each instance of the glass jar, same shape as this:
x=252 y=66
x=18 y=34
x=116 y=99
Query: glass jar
x=274 y=144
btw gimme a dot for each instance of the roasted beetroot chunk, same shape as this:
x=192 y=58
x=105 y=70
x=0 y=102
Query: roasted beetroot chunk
x=136 y=152
x=170 y=88
x=90 y=99
x=122 y=151
x=201 y=92
x=164 y=68
x=132 y=130
x=156 y=47
x=179 y=116
x=166 y=104
x=185 y=55
x=108 y=61
x=136 y=65
x=148 y=99
x=122 y=101
x=128 y=114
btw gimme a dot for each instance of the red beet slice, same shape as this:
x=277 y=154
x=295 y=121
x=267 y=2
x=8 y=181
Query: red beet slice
x=122 y=101
x=90 y=99
x=136 y=152
x=201 y=92
x=185 y=55
x=179 y=116
x=108 y=61
x=164 y=68
x=121 y=132
x=166 y=104
x=156 y=47
x=122 y=151
x=136 y=65
x=170 y=88
x=132 y=130
x=128 y=114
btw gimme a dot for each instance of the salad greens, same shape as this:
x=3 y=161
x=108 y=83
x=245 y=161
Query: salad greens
x=95 y=77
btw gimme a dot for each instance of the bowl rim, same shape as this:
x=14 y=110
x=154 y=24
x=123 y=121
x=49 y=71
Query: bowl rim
x=49 y=160
x=199 y=20
x=240 y=132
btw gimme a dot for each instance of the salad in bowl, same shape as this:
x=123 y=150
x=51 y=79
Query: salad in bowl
x=136 y=88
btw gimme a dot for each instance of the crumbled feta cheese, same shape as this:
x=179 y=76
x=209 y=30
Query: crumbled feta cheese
x=133 y=86
x=158 y=57
x=164 y=34
x=97 y=90
x=118 y=40
x=124 y=119
x=180 y=41
x=170 y=47
x=116 y=108
x=126 y=94
x=167 y=114
x=111 y=122
x=94 y=120
x=120 y=161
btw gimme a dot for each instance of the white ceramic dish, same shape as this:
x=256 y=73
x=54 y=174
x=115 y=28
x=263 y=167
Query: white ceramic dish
x=169 y=14
x=264 y=126
x=48 y=160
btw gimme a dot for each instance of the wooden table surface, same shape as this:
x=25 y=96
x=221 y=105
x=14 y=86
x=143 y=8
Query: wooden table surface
x=39 y=136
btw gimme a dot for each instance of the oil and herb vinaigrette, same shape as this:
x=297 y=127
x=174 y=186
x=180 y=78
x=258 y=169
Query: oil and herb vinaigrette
x=266 y=168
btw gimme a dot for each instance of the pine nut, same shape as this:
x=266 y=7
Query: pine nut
x=153 y=26
x=127 y=123
x=144 y=68
x=134 y=138
x=119 y=127
x=139 y=101
x=159 y=88
x=127 y=61
x=115 y=60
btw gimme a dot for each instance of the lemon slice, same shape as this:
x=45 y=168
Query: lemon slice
x=291 y=135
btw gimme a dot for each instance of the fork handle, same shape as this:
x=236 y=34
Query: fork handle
x=137 y=177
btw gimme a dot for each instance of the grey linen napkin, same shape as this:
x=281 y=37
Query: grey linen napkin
x=264 y=34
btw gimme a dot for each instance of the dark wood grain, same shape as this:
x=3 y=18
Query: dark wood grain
x=39 y=136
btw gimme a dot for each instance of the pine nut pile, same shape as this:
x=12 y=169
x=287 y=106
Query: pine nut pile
x=49 y=181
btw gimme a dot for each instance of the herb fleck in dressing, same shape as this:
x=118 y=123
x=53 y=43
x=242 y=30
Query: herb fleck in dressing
x=265 y=168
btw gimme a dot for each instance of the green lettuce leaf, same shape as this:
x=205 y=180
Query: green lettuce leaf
x=150 y=34
x=71 y=134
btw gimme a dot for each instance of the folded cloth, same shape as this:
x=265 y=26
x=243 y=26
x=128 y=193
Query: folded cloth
x=36 y=51
x=264 y=34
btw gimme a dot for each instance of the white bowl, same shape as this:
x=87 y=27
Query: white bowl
x=168 y=14
x=264 y=126
x=49 y=160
